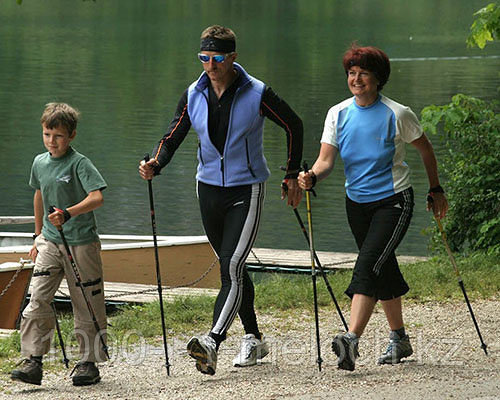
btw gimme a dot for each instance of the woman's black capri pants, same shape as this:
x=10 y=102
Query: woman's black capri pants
x=378 y=228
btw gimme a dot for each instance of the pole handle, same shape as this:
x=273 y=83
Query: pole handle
x=146 y=159
x=305 y=167
x=53 y=209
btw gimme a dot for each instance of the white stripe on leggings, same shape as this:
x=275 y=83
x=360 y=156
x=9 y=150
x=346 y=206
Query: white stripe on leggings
x=237 y=263
x=396 y=235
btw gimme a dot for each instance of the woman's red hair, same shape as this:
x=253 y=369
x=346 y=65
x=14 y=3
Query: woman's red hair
x=370 y=58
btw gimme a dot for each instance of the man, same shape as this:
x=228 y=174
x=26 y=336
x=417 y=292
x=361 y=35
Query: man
x=226 y=107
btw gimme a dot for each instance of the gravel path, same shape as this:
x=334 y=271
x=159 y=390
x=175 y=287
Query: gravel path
x=448 y=363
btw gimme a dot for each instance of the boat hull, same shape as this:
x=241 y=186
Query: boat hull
x=12 y=301
x=184 y=260
x=180 y=265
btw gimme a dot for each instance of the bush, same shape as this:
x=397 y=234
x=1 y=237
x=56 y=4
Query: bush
x=472 y=167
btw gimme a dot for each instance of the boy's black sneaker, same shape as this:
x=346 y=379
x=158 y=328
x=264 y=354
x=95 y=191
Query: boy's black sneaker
x=345 y=346
x=86 y=373
x=30 y=371
x=398 y=348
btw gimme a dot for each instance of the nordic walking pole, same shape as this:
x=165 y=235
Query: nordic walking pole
x=460 y=282
x=59 y=335
x=313 y=271
x=158 y=276
x=318 y=263
x=79 y=283
x=321 y=269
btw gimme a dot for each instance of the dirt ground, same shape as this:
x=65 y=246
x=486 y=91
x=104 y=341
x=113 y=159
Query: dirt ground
x=447 y=363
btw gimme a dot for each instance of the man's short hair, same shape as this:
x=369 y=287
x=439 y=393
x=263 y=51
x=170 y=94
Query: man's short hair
x=56 y=115
x=218 y=32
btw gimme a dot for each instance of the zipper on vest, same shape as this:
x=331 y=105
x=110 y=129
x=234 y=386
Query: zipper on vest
x=248 y=158
x=201 y=156
x=222 y=170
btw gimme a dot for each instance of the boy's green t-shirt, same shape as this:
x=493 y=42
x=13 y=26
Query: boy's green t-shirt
x=64 y=182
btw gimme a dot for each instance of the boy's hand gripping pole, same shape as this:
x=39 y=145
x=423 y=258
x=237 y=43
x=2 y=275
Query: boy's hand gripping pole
x=158 y=275
x=79 y=282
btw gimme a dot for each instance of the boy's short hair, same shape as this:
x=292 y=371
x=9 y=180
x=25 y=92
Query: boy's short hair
x=60 y=114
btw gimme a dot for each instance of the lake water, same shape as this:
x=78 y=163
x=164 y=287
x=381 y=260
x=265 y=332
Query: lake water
x=125 y=63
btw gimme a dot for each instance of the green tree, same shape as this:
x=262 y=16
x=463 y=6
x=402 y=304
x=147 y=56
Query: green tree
x=472 y=164
x=486 y=26
x=472 y=168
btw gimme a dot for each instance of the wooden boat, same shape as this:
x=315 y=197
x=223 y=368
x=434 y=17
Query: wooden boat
x=14 y=282
x=184 y=260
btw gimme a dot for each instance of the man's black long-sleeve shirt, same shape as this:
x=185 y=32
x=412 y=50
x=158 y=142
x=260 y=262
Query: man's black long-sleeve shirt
x=219 y=109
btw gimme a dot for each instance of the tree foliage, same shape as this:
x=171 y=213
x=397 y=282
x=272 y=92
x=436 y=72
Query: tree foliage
x=472 y=167
x=486 y=26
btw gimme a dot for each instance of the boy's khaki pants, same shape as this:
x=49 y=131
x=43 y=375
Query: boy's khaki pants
x=37 y=323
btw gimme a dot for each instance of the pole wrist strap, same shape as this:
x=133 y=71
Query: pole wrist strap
x=66 y=214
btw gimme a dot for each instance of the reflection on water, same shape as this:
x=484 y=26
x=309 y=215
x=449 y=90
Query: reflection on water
x=124 y=64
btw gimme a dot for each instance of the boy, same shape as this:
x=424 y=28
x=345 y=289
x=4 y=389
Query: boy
x=68 y=180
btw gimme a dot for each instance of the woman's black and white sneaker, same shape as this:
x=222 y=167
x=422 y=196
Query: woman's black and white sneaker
x=251 y=350
x=398 y=348
x=345 y=346
x=85 y=373
x=204 y=350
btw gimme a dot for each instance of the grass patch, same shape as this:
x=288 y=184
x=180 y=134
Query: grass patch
x=286 y=292
x=9 y=351
x=435 y=278
x=431 y=280
x=184 y=315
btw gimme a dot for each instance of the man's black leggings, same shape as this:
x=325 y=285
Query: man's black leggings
x=231 y=218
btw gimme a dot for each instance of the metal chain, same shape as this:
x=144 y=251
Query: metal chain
x=12 y=280
x=144 y=291
x=257 y=258
x=192 y=283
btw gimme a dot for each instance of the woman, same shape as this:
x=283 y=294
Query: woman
x=369 y=131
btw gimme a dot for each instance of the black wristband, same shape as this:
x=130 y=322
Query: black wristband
x=66 y=214
x=35 y=236
x=292 y=174
x=156 y=169
x=436 y=189
x=313 y=178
